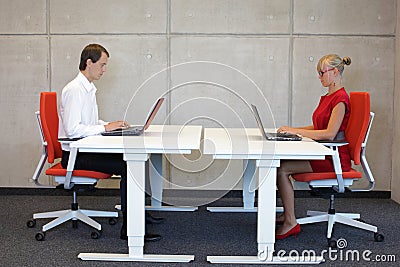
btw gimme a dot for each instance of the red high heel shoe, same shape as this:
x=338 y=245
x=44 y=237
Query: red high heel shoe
x=294 y=231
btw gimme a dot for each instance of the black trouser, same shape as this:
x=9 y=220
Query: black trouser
x=107 y=163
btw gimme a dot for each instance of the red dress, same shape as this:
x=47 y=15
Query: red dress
x=321 y=118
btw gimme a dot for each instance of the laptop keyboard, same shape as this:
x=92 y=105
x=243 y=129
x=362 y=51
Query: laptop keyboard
x=282 y=134
x=133 y=131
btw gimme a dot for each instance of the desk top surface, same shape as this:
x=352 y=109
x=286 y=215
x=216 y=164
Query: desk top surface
x=239 y=142
x=156 y=137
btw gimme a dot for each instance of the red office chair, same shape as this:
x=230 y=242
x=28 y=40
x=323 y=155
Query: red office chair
x=357 y=132
x=47 y=120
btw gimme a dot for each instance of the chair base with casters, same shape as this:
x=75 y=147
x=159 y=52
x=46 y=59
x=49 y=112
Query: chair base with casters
x=84 y=181
x=332 y=217
x=79 y=180
x=326 y=185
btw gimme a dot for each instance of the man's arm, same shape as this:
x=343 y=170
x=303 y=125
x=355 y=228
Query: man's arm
x=71 y=115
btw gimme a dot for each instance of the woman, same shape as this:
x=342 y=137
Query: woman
x=330 y=119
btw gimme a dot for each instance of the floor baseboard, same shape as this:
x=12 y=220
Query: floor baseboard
x=178 y=193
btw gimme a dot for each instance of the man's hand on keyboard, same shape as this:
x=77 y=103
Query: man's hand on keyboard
x=116 y=125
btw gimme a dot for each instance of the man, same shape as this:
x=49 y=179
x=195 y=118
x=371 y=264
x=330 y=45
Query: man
x=79 y=118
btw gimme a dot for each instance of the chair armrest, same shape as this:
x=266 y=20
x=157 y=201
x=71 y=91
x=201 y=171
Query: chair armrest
x=333 y=142
x=67 y=140
x=337 y=166
x=70 y=168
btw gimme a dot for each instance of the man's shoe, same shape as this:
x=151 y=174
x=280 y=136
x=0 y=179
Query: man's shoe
x=153 y=220
x=151 y=237
x=123 y=234
x=147 y=237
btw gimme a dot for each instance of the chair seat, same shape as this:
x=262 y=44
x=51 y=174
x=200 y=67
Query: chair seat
x=308 y=177
x=58 y=170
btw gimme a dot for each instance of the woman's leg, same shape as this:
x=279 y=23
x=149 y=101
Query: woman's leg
x=286 y=191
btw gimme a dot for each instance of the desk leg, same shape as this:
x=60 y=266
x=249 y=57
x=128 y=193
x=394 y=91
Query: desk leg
x=266 y=224
x=266 y=208
x=135 y=207
x=265 y=218
x=155 y=173
x=156 y=184
x=249 y=184
x=248 y=191
x=136 y=219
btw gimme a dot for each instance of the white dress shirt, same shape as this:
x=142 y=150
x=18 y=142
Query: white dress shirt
x=78 y=112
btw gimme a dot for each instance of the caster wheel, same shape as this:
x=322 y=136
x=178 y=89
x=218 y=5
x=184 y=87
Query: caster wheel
x=40 y=236
x=112 y=221
x=332 y=243
x=378 y=237
x=95 y=234
x=75 y=224
x=31 y=223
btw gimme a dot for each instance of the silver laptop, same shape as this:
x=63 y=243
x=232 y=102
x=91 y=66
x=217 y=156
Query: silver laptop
x=137 y=130
x=273 y=136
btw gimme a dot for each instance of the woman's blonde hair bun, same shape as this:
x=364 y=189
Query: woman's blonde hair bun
x=346 y=61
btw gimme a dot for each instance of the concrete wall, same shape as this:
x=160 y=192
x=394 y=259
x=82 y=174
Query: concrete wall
x=263 y=51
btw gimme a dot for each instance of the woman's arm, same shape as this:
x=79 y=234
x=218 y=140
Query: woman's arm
x=288 y=129
x=329 y=133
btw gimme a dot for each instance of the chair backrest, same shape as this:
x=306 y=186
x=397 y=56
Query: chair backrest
x=357 y=126
x=49 y=121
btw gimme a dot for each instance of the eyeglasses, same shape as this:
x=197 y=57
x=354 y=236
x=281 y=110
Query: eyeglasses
x=321 y=73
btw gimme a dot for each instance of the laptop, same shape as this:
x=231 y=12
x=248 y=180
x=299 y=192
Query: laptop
x=137 y=130
x=273 y=136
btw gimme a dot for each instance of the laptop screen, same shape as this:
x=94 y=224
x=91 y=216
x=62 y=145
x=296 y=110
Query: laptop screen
x=274 y=136
x=153 y=113
x=258 y=119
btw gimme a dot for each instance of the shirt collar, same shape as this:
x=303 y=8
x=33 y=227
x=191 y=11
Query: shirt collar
x=89 y=86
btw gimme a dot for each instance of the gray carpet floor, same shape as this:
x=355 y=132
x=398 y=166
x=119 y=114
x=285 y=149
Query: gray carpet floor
x=200 y=233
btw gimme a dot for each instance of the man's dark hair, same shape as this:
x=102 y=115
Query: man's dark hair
x=93 y=52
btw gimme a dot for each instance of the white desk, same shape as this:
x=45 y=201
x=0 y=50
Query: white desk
x=166 y=139
x=247 y=144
